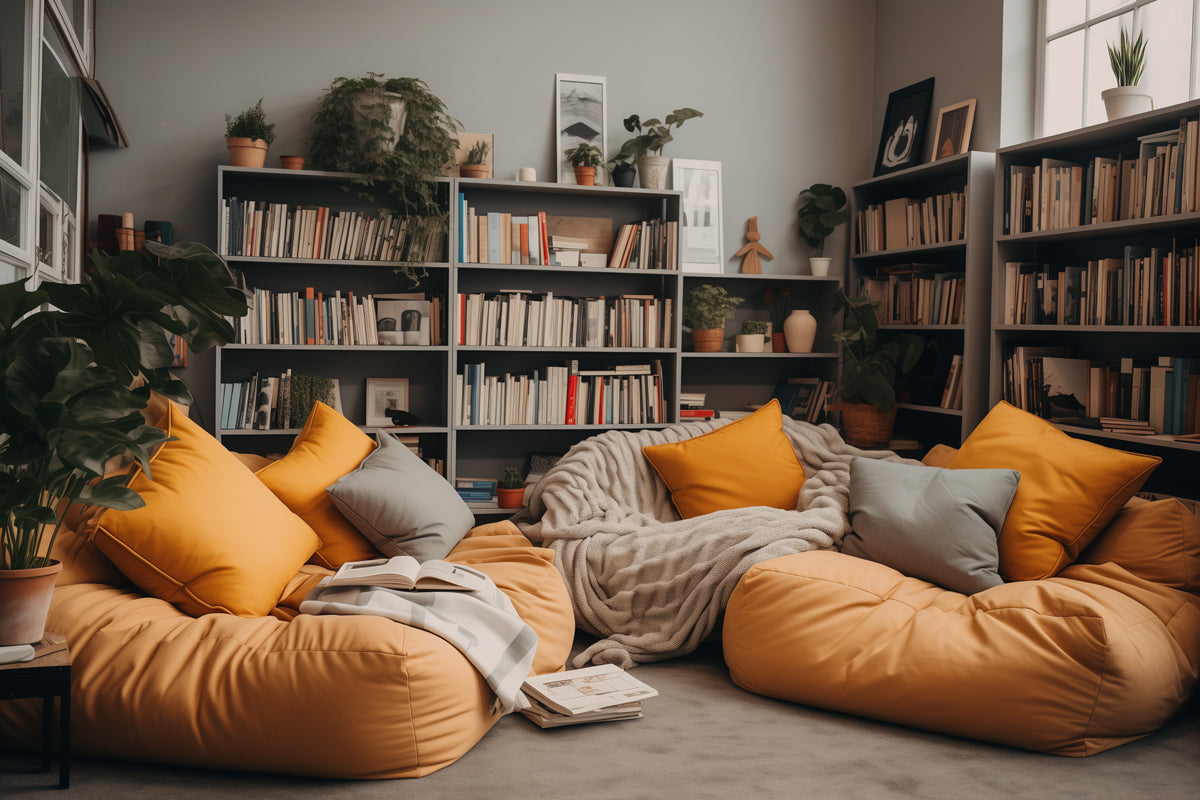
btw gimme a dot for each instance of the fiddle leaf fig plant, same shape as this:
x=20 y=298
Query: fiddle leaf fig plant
x=69 y=357
x=824 y=208
x=870 y=366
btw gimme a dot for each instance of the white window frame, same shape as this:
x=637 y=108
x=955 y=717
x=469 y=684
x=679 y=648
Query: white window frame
x=1044 y=39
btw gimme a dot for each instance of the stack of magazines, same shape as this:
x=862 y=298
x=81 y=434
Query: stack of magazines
x=591 y=694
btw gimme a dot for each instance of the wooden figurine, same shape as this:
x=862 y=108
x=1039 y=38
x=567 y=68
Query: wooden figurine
x=752 y=249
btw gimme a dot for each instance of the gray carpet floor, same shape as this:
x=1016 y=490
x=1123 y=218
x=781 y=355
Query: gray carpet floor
x=702 y=737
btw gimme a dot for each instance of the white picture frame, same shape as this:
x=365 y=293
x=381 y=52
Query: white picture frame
x=580 y=107
x=384 y=394
x=701 y=240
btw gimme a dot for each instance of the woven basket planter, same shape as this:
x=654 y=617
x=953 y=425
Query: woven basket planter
x=708 y=340
x=865 y=425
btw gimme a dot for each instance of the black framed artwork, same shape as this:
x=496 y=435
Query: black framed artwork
x=902 y=142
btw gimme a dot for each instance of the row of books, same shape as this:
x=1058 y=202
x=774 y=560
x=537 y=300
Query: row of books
x=519 y=318
x=1160 y=177
x=310 y=316
x=264 y=402
x=1122 y=395
x=1147 y=286
x=625 y=394
x=911 y=222
x=803 y=398
x=476 y=490
x=916 y=294
x=649 y=244
x=278 y=230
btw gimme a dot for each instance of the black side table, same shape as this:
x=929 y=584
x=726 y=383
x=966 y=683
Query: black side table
x=47 y=677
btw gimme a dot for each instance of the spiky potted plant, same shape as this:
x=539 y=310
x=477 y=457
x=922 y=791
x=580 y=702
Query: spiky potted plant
x=248 y=135
x=69 y=355
x=510 y=489
x=474 y=164
x=1127 y=57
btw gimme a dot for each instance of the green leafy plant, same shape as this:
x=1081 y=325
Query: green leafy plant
x=708 y=307
x=69 y=355
x=478 y=153
x=584 y=155
x=755 y=326
x=820 y=214
x=511 y=479
x=871 y=365
x=352 y=132
x=251 y=124
x=1128 y=58
x=653 y=134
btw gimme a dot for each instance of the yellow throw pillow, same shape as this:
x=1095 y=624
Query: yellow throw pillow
x=211 y=537
x=749 y=462
x=1157 y=540
x=328 y=447
x=1069 y=488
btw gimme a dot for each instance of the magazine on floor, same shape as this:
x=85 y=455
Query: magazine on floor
x=578 y=691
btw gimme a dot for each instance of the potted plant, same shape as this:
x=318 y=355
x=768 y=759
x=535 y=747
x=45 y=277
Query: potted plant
x=824 y=208
x=779 y=303
x=647 y=147
x=248 y=135
x=1128 y=61
x=623 y=171
x=69 y=355
x=396 y=137
x=753 y=336
x=510 y=489
x=870 y=367
x=705 y=312
x=585 y=158
x=474 y=164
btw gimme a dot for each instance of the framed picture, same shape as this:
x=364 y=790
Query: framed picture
x=402 y=318
x=701 y=247
x=384 y=395
x=579 y=108
x=952 y=136
x=901 y=144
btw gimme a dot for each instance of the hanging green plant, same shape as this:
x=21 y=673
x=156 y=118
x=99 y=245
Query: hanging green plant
x=396 y=138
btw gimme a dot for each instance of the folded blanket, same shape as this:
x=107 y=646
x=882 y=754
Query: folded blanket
x=651 y=585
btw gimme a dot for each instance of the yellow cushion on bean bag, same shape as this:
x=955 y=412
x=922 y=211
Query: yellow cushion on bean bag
x=327 y=448
x=1157 y=540
x=211 y=537
x=1069 y=488
x=749 y=462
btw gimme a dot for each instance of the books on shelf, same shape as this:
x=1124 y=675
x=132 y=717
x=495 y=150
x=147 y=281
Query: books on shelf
x=519 y=318
x=916 y=294
x=902 y=222
x=579 y=694
x=476 y=490
x=263 y=402
x=311 y=316
x=953 y=391
x=405 y=572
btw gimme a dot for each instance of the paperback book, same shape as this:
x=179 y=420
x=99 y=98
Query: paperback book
x=579 y=691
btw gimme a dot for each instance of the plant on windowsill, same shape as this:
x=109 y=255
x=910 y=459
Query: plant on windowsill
x=248 y=136
x=823 y=210
x=705 y=312
x=647 y=147
x=870 y=367
x=69 y=354
x=510 y=489
x=1128 y=61
x=474 y=164
x=396 y=138
x=586 y=159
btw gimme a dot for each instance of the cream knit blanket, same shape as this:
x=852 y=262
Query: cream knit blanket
x=651 y=585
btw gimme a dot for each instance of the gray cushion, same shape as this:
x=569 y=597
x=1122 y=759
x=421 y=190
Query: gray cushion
x=401 y=504
x=939 y=525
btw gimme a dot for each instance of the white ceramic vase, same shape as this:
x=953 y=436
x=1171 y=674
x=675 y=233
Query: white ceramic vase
x=799 y=331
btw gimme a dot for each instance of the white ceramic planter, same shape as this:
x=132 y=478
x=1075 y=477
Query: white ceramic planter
x=652 y=172
x=819 y=266
x=1125 y=101
x=751 y=343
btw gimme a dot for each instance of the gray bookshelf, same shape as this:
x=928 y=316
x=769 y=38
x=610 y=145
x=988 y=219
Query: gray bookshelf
x=1076 y=244
x=921 y=416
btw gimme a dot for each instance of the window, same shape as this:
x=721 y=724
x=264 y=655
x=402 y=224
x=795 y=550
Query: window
x=1073 y=58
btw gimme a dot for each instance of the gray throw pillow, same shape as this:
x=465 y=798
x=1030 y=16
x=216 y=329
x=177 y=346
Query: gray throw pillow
x=401 y=504
x=939 y=525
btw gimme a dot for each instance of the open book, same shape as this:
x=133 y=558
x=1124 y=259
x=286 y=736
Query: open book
x=578 y=691
x=405 y=572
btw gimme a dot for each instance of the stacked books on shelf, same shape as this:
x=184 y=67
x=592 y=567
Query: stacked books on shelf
x=1159 y=174
x=310 y=316
x=624 y=394
x=519 y=318
x=691 y=407
x=916 y=294
x=802 y=398
x=1121 y=395
x=650 y=244
x=911 y=222
x=593 y=694
x=476 y=490
x=1145 y=286
x=278 y=230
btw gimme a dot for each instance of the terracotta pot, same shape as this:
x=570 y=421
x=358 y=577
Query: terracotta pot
x=866 y=425
x=778 y=343
x=585 y=176
x=708 y=340
x=244 y=152
x=510 y=498
x=25 y=601
x=291 y=162
x=473 y=170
